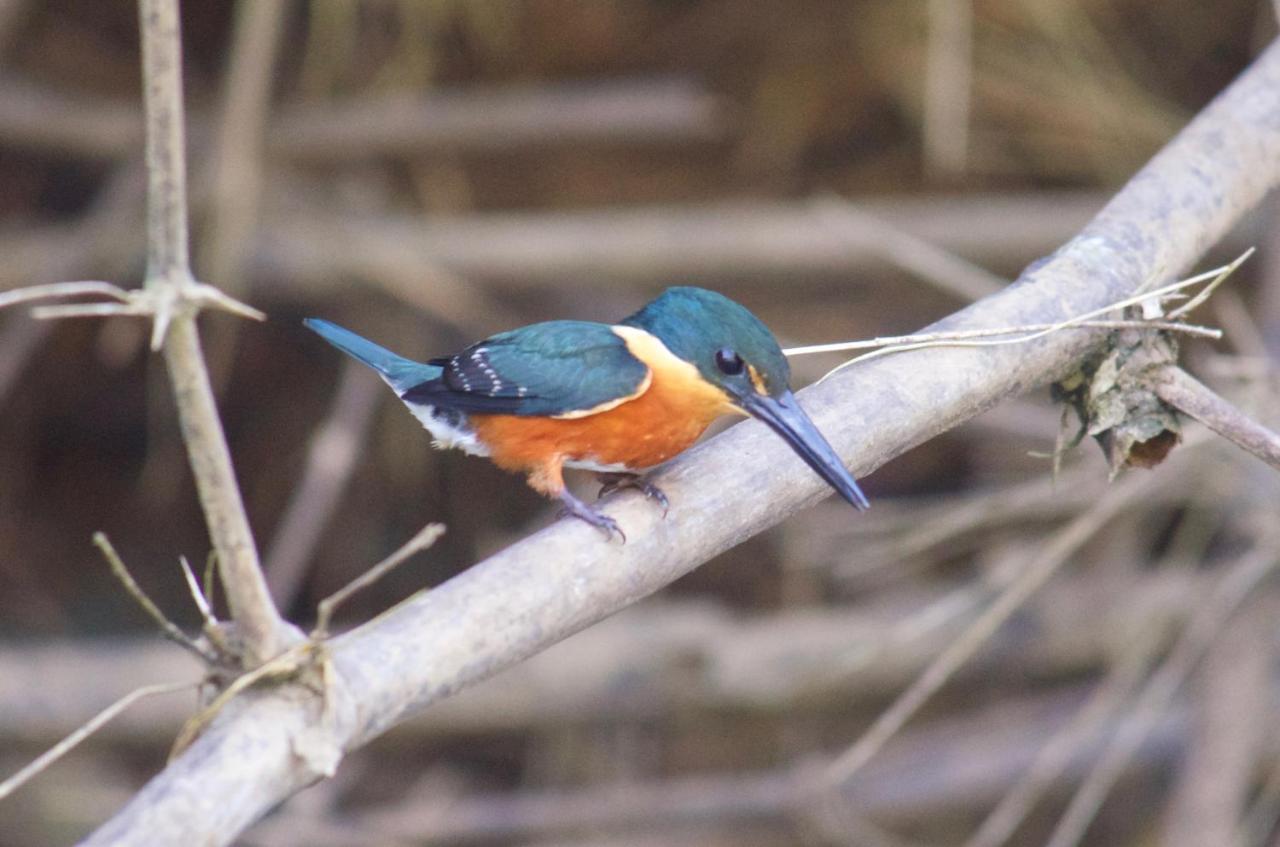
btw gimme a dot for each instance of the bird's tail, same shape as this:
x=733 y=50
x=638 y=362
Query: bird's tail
x=400 y=373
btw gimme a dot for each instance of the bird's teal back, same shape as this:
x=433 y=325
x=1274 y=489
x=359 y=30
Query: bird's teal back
x=544 y=369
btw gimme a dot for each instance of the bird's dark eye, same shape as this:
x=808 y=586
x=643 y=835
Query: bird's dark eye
x=729 y=362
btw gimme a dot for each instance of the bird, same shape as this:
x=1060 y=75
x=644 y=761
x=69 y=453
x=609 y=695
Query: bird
x=616 y=399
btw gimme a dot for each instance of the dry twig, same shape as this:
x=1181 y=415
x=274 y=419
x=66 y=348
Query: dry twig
x=1150 y=300
x=1192 y=397
x=68 y=743
x=167 y=627
x=309 y=657
x=426 y=537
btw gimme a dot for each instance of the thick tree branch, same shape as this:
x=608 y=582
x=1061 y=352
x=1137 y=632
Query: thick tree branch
x=272 y=743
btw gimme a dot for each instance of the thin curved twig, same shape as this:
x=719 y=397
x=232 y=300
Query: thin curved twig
x=91 y=726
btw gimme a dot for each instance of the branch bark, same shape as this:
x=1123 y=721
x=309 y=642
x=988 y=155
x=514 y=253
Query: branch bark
x=1191 y=397
x=262 y=631
x=564 y=578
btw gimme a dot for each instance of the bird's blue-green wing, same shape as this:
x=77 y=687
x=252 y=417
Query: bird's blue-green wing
x=544 y=369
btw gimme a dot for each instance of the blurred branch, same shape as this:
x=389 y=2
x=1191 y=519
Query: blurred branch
x=1055 y=551
x=628 y=113
x=625 y=113
x=948 y=78
x=11 y=12
x=331 y=458
x=850 y=655
x=1004 y=736
x=749 y=242
x=1203 y=629
x=19 y=341
x=1233 y=709
x=746 y=242
x=1087 y=726
x=236 y=169
x=564 y=578
x=35 y=117
x=926 y=261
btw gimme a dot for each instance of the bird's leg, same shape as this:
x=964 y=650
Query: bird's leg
x=574 y=506
x=548 y=478
x=611 y=482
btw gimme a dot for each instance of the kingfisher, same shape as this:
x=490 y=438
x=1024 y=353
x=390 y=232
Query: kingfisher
x=616 y=399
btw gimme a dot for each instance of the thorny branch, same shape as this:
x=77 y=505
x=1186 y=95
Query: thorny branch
x=260 y=628
x=173 y=298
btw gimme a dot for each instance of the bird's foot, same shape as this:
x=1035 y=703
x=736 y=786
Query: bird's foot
x=574 y=506
x=611 y=482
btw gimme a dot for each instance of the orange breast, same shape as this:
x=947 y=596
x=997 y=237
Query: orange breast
x=642 y=432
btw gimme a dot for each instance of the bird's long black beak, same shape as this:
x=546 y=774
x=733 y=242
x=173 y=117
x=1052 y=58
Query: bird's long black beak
x=784 y=416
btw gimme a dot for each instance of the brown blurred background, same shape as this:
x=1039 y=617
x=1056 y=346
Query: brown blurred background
x=431 y=171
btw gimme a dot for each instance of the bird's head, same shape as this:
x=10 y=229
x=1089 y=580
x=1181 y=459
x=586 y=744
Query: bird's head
x=733 y=351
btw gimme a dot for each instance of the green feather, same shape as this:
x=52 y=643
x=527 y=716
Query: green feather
x=542 y=370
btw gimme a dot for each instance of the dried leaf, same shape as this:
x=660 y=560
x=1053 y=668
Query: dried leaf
x=1116 y=403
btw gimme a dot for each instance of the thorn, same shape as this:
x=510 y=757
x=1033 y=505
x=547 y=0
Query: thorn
x=207 y=296
x=160 y=328
x=202 y=602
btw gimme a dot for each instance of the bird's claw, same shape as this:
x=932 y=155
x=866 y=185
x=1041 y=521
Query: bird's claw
x=575 y=507
x=611 y=482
